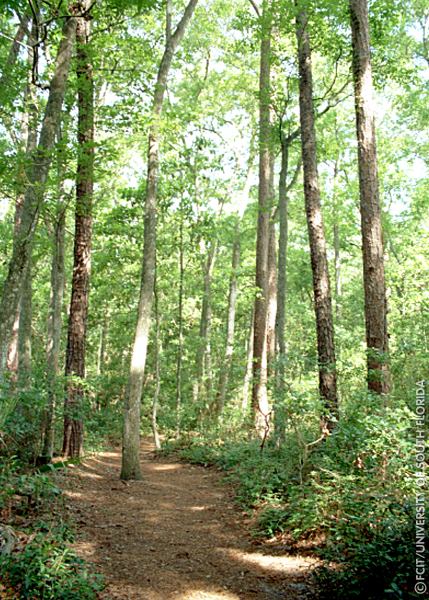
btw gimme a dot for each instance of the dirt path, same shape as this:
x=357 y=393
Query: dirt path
x=176 y=535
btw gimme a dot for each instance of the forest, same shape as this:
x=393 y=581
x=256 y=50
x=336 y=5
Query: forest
x=214 y=326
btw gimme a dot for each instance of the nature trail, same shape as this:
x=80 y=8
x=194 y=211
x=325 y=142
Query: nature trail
x=176 y=535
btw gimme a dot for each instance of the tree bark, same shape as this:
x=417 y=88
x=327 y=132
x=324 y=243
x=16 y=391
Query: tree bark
x=157 y=352
x=179 y=362
x=202 y=385
x=282 y=286
x=77 y=324
x=337 y=250
x=19 y=351
x=260 y=401
x=230 y=328
x=36 y=173
x=102 y=345
x=249 y=365
x=131 y=433
x=272 y=296
x=54 y=330
x=319 y=262
x=372 y=236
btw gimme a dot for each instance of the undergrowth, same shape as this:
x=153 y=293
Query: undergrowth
x=355 y=490
x=36 y=560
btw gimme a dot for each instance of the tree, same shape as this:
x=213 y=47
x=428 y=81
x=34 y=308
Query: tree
x=77 y=324
x=230 y=324
x=260 y=402
x=131 y=434
x=372 y=236
x=316 y=234
x=36 y=173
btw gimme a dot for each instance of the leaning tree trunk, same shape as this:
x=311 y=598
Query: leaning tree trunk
x=260 y=401
x=77 y=324
x=319 y=262
x=131 y=434
x=36 y=174
x=19 y=351
x=372 y=236
x=25 y=309
x=225 y=368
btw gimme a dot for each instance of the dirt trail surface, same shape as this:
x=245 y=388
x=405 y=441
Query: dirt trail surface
x=176 y=535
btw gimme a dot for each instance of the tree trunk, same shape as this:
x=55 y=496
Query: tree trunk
x=281 y=287
x=102 y=346
x=77 y=324
x=337 y=250
x=249 y=365
x=54 y=330
x=20 y=365
x=131 y=433
x=319 y=262
x=179 y=363
x=24 y=331
x=272 y=295
x=260 y=402
x=202 y=387
x=36 y=174
x=372 y=237
x=230 y=328
x=155 y=401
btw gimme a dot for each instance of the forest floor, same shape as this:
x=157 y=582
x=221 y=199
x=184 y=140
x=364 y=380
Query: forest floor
x=176 y=535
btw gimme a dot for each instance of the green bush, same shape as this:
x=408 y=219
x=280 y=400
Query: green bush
x=352 y=492
x=375 y=564
x=48 y=569
x=41 y=565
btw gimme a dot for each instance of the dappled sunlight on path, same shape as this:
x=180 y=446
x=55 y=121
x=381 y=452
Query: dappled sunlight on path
x=176 y=535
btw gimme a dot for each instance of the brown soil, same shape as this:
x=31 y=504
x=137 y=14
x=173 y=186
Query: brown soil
x=175 y=535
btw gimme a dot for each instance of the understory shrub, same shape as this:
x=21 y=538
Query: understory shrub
x=354 y=492
x=36 y=560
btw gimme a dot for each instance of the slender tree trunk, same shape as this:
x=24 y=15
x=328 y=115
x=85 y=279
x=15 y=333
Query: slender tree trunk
x=249 y=365
x=372 y=236
x=131 y=434
x=155 y=401
x=54 y=330
x=202 y=387
x=36 y=174
x=319 y=262
x=180 y=322
x=282 y=287
x=260 y=402
x=24 y=333
x=272 y=295
x=77 y=325
x=18 y=366
x=337 y=249
x=225 y=369
x=102 y=346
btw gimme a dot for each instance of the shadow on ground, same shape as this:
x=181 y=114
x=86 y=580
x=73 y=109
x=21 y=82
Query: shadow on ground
x=176 y=535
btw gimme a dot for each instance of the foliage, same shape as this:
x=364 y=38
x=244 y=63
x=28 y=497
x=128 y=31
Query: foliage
x=41 y=564
x=355 y=491
x=47 y=568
